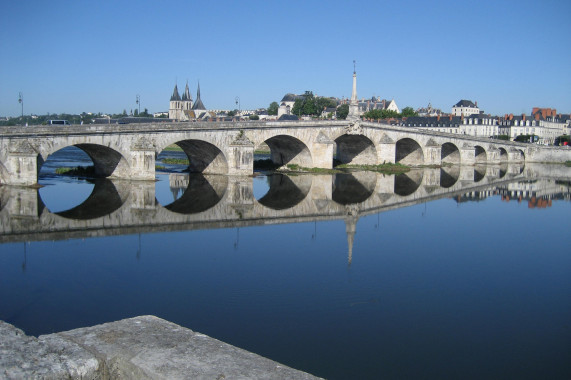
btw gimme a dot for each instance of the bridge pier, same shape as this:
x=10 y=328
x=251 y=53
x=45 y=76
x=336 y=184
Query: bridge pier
x=493 y=156
x=241 y=156
x=431 y=178
x=22 y=164
x=515 y=155
x=143 y=160
x=322 y=152
x=466 y=174
x=432 y=153
x=467 y=155
x=386 y=150
x=321 y=189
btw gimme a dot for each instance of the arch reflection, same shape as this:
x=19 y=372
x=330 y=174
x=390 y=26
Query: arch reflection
x=103 y=200
x=285 y=191
x=201 y=193
x=353 y=188
x=408 y=183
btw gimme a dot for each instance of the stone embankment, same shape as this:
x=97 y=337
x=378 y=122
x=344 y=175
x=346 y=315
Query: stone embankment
x=144 y=347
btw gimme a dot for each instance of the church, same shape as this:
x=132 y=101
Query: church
x=183 y=108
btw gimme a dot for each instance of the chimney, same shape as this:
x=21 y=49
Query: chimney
x=476 y=104
x=511 y=116
x=537 y=116
x=450 y=117
x=523 y=116
x=438 y=117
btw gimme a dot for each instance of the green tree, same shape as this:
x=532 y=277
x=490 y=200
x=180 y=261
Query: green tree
x=231 y=113
x=342 y=111
x=380 y=114
x=297 y=108
x=325 y=103
x=408 y=112
x=273 y=108
x=309 y=105
x=254 y=117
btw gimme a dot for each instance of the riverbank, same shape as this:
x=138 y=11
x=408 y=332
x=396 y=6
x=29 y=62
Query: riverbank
x=144 y=347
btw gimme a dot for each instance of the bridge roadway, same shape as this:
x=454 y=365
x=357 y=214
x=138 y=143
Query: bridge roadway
x=129 y=151
x=214 y=201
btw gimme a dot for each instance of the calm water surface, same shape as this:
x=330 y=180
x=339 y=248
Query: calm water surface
x=464 y=286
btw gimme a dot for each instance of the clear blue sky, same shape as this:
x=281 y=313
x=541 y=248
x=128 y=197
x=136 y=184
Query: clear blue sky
x=74 y=56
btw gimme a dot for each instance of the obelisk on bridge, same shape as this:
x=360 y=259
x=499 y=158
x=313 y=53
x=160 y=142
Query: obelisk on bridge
x=354 y=103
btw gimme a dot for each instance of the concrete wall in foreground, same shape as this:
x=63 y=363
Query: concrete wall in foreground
x=139 y=348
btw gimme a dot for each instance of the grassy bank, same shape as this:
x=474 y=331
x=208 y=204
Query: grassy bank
x=173 y=148
x=175 y=161
x=344 y=168
x=381 y=168
x=78 y=171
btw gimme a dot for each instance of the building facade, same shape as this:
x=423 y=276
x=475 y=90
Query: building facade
x=465 y=108
x=474 y=125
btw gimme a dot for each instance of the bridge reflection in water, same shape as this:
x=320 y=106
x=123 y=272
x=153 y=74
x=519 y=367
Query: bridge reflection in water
x=215 y=201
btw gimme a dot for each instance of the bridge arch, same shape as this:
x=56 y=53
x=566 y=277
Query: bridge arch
x=518 y=155
x=503 y=154
x=3 y=173
x=355 y=149
x=286 y=149
x=408 y=152
x=203 y=156
x=480 y=154
x=450 y=153
x=106 y=161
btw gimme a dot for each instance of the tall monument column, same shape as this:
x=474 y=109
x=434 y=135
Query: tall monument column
x=354 y=103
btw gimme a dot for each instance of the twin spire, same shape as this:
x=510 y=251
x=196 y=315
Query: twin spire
x=198 y=105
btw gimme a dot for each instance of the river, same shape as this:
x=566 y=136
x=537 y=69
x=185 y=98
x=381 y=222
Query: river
x=348 y=276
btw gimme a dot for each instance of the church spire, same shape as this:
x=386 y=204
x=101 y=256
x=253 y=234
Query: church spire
x=175 y=95
x=198 y=104
x=186 y=96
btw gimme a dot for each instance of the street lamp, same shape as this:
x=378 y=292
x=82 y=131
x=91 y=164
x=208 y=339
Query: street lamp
x=238 y=103
x=139 y=104
x=21 y=101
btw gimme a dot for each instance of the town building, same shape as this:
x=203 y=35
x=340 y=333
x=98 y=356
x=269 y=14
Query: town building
x=429 y=111
x=465 y=108
x=479 y=125
x=287 y=102
x=544 y=123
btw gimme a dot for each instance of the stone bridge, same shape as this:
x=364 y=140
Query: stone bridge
x=129 y=151
x=214 y=201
